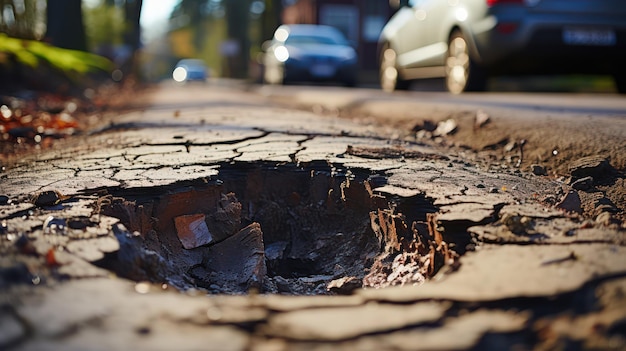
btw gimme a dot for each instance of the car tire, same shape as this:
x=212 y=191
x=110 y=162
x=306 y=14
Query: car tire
x=620 y=82
x=462 y=72
x=390 y=79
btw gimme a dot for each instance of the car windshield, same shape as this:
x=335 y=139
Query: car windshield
x=191 y=63
x=312 y=39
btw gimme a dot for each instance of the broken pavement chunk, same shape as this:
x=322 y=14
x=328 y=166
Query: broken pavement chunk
x=342 y=323
x=240 y=258
x=446 y=127
x=571 y=202
x=538 y=170
x=48 y=198
x=584 y=184
x=345 y=285
x=594 y=166
x=192 y=231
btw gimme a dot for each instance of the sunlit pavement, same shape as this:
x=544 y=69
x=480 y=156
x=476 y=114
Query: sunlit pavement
x=523 y=274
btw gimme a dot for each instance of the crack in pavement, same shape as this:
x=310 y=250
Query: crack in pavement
x=496 y=295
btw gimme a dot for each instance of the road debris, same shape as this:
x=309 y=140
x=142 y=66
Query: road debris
x=48 y=198
x=192 y=231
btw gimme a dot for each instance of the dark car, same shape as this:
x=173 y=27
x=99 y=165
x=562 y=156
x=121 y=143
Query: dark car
x=467 y=41
x=306 y=52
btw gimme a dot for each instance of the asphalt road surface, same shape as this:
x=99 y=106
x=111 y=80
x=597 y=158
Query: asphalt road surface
x=144 y=234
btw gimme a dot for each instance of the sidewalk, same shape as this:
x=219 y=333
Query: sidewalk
x=318 y=205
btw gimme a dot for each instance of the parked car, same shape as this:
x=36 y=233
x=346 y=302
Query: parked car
x=467 y=41
x=307 y=52
x=190 y=69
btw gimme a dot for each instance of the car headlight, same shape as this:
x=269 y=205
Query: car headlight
x=179 y=74
x=281 y=53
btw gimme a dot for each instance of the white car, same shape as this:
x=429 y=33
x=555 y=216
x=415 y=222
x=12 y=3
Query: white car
x=466 y=41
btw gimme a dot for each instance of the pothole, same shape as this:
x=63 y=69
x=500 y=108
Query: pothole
x=276 y=229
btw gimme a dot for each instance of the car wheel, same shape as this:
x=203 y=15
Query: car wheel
x=620 y=82
x=350 y=83
x=462 y=72
x=390 y=79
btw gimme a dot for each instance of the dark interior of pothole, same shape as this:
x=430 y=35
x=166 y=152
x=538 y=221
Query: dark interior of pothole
x=288 y=229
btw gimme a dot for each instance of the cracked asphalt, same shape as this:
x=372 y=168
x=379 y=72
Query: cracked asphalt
x=530 y=275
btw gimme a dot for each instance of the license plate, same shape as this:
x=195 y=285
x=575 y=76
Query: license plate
x=589 y=36
x=322 y=70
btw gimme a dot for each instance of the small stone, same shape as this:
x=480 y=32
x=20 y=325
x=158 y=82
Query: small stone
x=604 y=218
x=510 y=146
x=344 y=286
x=192 y=231
x=549 y=199
x=585 y=183
x=481 y=119
x=516 y=223
x=16 y=274
x=446 y=127
x=79 y=223
x=426 y=126
x=48 y=198
x=589 y=166
x=240 y=259
x=538 y=170
x=282 y=284
x=422 y=134
x=54 y=225
x=570 y=202
x=493 y=190
x=604 y=204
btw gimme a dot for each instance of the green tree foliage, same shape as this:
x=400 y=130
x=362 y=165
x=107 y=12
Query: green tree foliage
x=33 y=53
x=113 y=30
x=245 y=29
x=105 y=26
x=28 y=59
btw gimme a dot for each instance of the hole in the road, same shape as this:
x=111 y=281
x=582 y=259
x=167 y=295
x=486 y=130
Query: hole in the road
x=277 y=229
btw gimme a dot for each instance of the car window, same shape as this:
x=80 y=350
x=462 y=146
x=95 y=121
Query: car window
x=312 y=39
x=415 y=3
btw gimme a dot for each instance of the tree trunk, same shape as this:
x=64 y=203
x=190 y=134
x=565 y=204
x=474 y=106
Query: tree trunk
x=132 y=38
x=65 y=27
x=238 y=24
x=132 y=10
x=270 y=19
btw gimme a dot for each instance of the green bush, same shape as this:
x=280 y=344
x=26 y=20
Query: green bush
x=32 y=53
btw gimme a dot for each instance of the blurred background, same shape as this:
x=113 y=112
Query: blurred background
x=145 y=39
